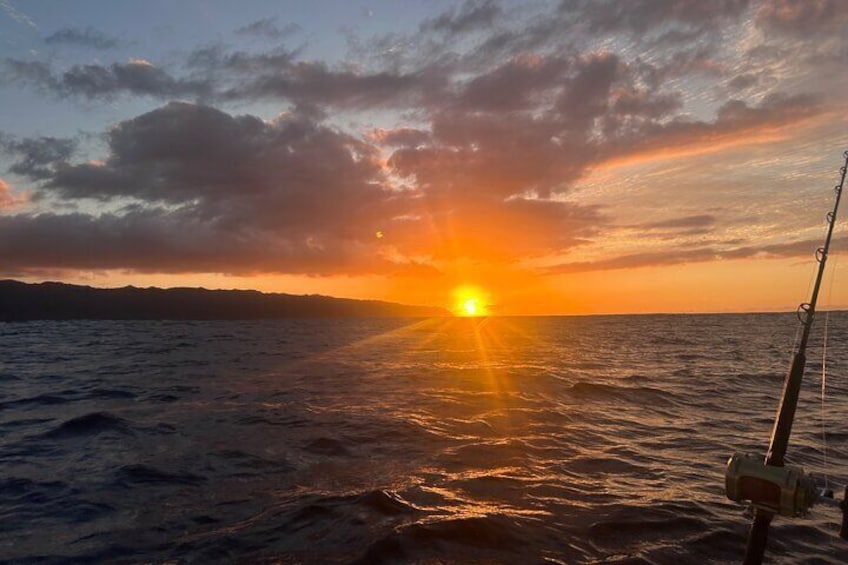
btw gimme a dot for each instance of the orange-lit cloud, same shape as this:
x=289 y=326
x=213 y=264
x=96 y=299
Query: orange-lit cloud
x=767 y=124
x=448 y=154
x=8 y=200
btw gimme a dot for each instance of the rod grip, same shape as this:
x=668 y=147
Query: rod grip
x=757 y=538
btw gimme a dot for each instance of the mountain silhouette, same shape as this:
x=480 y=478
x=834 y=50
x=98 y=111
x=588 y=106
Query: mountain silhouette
x=58 y=301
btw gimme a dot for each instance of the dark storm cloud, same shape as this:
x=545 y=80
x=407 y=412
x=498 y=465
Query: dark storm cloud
x=84 y=37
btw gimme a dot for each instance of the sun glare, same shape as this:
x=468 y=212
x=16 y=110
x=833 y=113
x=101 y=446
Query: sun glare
x=470 y=302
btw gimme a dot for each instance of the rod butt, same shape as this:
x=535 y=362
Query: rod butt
x=757 y=538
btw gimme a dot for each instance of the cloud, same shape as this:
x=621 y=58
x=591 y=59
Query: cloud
x=314 y=82
x=517 y=84
x=471 y=15
x=803 y=17
x=668 y=257
x=9 y=201
x=743 y=81
x=211 y=191
x=267 y=28
x=640 y=16
x=37 y=157
x=490 y=114
x=684 y=222
x=175 y=242
x=83 y=37
x=406 y=137
x=238 y=170
x=16 y=14
x=737 y=123
x=516 y=60
x=137 y=77
x=453 y=226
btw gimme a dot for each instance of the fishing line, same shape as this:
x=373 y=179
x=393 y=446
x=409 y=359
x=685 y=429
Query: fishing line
x=771 y=487
x=800 y=325
x=833 y=272
x=823 y=389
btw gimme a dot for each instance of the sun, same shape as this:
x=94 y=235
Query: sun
x=470 y=302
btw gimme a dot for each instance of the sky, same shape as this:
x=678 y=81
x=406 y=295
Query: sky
x=540 y=157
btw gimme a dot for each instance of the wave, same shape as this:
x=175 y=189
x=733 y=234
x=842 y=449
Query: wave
x=90 y=424
x=37 y=502
x=603 y=391
x=327 y=446
x=130 y=476
x=463 y=539
x=38 y=401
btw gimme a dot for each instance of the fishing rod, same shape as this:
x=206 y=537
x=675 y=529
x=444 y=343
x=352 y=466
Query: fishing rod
x=771 y=486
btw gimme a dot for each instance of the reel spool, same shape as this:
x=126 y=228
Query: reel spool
x=787 y=490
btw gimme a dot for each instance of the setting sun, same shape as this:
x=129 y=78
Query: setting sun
x=470 y=301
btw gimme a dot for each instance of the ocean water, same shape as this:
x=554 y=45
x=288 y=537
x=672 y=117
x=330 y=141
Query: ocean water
x=500 y=440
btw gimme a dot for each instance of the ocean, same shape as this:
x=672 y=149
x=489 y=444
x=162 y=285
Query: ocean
x=496 y=440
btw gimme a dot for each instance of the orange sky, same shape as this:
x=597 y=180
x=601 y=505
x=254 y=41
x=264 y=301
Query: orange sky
x=596 y=164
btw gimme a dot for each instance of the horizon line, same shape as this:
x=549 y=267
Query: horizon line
x=832 y=308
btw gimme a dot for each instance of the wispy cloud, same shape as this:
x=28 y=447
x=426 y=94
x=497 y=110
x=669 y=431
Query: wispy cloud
x=84 y=37
x=676 y=256
x=267 y=28
x=17 y=15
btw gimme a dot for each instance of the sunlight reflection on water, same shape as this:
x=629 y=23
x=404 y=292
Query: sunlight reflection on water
x=479 y=439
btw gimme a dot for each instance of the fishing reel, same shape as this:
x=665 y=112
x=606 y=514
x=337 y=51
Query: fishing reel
x=787 y=490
